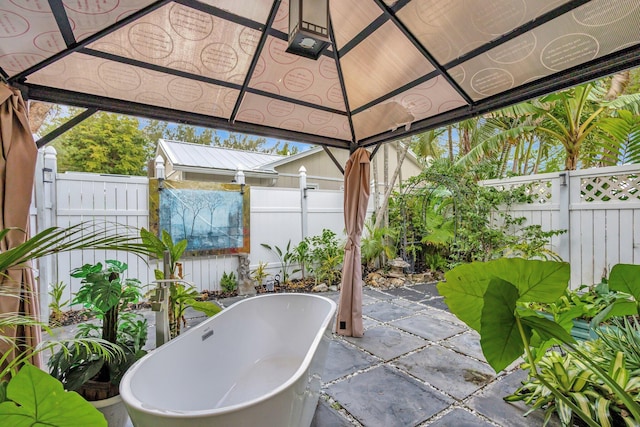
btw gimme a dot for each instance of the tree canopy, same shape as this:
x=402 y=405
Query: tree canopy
x=103 y=143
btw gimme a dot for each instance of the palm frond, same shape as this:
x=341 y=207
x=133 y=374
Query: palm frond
x=630 y=102
x=492 y=145
x=85 y=235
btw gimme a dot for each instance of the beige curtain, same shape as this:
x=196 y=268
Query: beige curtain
x=356 y=197
x=17 y=167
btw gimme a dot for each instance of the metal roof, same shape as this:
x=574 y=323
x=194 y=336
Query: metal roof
x=394 y=68
x=206 y=156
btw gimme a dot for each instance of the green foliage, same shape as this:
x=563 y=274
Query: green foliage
x=615 y=297
x=377 y=241
x=326 y=254
x=578 y=383
x=465 y=287
x=106 y=294
x=155 y=130
x=228 y=282
x=489 y=298
x=158 y=246
x=51 y=241
x=444 y=211
x=593 y=303
x=567 y=376
x=260 y=273
x=181 y=294
x=302 y=256
x=103 y=143
x=287 y=149
x=57 y=303
x=435 y=262
x=619 y=140
x=286 y=258
x=621 y=336
x=34 y=398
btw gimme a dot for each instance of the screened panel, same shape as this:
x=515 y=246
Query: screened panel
x=275 y=113
x=565 y=42
x=382 y=63
x=281 y=73
x=96 y=76
x=451 y=28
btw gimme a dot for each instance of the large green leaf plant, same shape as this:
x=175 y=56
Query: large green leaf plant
x=29 y=396
x=107 y=294
x=490 y=298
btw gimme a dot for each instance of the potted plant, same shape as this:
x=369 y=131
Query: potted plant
x=28 y=395
x=107 y=294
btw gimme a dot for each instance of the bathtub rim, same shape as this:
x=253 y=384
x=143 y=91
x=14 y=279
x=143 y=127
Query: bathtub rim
x=130 y=400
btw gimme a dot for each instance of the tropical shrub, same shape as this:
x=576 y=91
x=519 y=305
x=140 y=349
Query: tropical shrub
x=375 y=242
x=260 y=273
x=228 y=282
x=28 y=395
x=57 y=303
x=286 y=257
x=491 y=298
x=106 y=294
x=326 y=255
x=445 y=211
x=181 y=293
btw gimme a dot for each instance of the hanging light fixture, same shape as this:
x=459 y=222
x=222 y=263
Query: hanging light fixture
x=308 y=27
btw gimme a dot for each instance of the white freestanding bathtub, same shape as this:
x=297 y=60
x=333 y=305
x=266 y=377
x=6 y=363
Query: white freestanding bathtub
x=256 y=363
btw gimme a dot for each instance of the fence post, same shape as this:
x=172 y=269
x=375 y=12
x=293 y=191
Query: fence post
x=303 y=200
x=564 y=191
x=45 y=195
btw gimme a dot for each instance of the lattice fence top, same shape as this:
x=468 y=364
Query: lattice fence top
x=539 y=191
x=618 y=188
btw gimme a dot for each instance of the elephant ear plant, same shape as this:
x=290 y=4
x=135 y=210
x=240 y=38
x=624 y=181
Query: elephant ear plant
x=490 y=298
x=107 y=294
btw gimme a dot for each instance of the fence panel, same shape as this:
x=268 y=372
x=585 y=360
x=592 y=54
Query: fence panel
x=121 y=200
x=599 y=208
x=275 y=220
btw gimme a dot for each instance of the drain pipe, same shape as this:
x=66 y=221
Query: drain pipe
x=303 y=201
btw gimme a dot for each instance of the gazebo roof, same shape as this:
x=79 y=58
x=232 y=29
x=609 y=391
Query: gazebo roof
x=394 y=68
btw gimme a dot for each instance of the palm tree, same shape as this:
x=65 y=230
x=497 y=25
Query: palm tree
x=495 y=136
x=425 y=146
x=572 y=116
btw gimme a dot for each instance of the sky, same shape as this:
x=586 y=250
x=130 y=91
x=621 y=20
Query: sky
x=223 y=134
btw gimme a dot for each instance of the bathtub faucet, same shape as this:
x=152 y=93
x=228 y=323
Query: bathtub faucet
x=160 y=304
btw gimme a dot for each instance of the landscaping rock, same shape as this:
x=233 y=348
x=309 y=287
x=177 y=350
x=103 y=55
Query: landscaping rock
x=322 y=287
x=397 y=267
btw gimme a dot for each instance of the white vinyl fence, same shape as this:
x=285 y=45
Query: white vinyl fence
x=277 y=216
x=599 y=208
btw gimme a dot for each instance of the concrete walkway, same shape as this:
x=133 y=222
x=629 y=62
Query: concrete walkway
x=417 y=365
